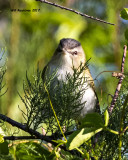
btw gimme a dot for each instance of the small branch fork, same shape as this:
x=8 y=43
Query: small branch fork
x=71 y=10
x=121 y=77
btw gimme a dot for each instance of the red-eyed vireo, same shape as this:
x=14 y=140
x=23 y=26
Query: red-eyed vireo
x=70 y=53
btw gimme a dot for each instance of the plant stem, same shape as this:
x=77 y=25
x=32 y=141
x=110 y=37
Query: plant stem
x=55 y=113
x=122 y=126
x=79 y=151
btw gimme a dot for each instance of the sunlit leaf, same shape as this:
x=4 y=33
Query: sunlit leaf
x=106 y=118
x=1 y=138
x=77 y=138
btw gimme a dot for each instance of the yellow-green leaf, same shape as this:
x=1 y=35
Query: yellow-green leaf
x=106 y=118
x=124 y=13
x=77 y=138
x=1 y=139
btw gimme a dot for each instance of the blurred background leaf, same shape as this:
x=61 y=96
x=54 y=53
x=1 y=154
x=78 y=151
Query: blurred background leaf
x=126 y=34
x=124 y=13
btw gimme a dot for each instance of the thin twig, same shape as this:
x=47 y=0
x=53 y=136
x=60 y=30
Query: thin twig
x=69 y=9
x=101 y=73
x=119 y=83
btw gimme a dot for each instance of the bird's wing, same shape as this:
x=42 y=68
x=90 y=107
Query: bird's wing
x=91 y=82
x=90 y=79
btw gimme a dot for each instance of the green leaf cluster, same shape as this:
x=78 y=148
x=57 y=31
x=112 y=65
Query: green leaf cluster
x=65 y=99
x=33 y=151
x=94 y=126
x=91 y=125
x=108 y=140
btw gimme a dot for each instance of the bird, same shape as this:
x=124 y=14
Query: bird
x=70 y=53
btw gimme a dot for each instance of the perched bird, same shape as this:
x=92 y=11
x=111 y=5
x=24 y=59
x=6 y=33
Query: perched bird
x=70 y=53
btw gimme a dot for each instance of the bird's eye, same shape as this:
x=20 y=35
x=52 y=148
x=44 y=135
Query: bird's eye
x=75 y=53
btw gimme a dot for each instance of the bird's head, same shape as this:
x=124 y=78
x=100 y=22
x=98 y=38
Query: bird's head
x=69 y=52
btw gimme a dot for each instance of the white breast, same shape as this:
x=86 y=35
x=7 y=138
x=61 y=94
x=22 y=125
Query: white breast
x=89 y=95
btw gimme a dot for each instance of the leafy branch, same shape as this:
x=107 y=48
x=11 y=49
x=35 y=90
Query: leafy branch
x=25 y=128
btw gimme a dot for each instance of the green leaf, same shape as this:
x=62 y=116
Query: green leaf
x=106 y=118
x=86 y=153
x=1 y=138
x=92 y=120
x=77 y=138
x=68 y=156
x=4 y=148
x=31 y=150
x=126 y=34
x=124 y=13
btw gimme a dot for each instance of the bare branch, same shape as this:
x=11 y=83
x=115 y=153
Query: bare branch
x=125 y=129
x=26 y=129
x=69 y=9
x=19 y=137
x=120 y=81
